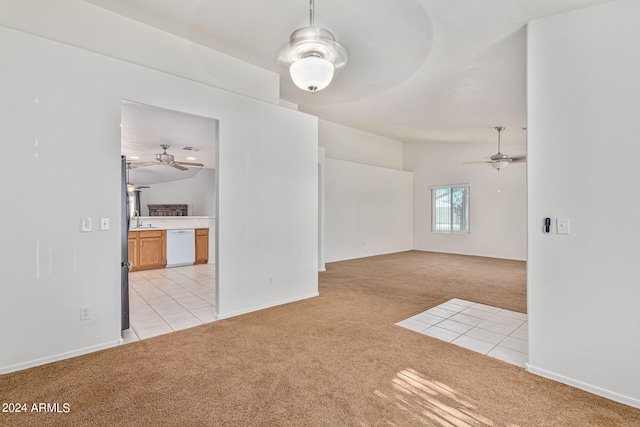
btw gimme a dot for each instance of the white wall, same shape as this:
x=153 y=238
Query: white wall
x=345 y=143
x=60 y=116
x=203 y=187
x=90 y=27
x=368 y=196
x=584 y=288
x=368 y=210
x=196 y=192
x=497 y=206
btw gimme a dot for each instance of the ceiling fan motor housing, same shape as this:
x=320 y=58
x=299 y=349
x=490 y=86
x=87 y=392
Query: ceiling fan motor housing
x=500 y=157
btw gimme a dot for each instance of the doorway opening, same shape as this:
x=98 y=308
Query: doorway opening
x=171 y=197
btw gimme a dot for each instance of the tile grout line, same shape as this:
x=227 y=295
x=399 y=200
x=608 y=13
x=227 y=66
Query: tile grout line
x=499 y=311
x=148 y=282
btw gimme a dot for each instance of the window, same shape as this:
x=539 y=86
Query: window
x=450 y=209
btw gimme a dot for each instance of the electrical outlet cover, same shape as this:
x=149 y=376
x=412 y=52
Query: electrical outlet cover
x=85 y=224
x=85 y=312
x=562 y=225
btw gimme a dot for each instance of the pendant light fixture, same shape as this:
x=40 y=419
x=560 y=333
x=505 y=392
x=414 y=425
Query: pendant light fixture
x=313 y=56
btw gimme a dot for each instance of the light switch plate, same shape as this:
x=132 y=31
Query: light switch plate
x=85 y=225
x=104 y=224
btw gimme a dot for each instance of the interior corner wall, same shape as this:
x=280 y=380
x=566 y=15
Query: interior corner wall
x=202 y=187
x=61 y=109
x=583 y=127
x=368 y=210
x=353 y=145
x=368 y=198
x=497 y=206
x=195 y=192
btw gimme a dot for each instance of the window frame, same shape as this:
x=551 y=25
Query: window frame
x=466 y=203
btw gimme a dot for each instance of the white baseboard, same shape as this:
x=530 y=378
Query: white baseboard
x=262 y=307
x=57 y=357
x=584 y=386
x=471 y=254
x=371 y=254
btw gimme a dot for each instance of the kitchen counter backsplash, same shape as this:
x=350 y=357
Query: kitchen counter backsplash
x=172 y=222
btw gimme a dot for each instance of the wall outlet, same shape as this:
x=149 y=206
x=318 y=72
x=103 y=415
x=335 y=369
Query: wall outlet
x=270 y=280
x=562 y=225
x=85 y=312
x=85 y=225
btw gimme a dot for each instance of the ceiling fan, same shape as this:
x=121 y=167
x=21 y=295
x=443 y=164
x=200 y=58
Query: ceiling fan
x=499 y=160
x=132 y=187
x=167 y=159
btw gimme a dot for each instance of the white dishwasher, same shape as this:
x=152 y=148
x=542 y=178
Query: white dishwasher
x=181 y=247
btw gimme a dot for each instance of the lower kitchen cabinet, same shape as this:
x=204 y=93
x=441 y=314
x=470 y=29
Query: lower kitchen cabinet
x=133 y=249
x=147 y=249
x=202 y=245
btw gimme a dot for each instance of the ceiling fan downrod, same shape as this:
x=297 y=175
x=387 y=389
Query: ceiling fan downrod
x=312 y=21
x=499 y=129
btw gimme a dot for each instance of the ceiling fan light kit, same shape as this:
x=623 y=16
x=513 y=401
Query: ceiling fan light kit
x=167 y=159
x=500 y=164
x=313 y=56
x=312 y=73
x=499 y=160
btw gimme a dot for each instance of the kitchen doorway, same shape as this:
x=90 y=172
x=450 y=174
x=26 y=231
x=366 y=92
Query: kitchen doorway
x=170 y=161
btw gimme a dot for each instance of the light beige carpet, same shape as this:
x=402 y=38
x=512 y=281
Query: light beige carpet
x=334 y=360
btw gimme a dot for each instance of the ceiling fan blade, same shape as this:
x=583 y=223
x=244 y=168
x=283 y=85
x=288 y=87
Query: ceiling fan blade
x=177 y=166
x=475 y=163
x=141 y=163
x=518 y=159
x=189 y=164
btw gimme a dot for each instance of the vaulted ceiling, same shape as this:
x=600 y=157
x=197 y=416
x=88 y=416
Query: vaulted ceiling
x=418 y=70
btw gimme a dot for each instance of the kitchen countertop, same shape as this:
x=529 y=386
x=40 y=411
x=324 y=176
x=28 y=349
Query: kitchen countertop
x=172 y=222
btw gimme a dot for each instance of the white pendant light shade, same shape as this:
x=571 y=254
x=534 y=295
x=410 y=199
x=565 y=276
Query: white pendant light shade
x=312 y=73
x=500 y=164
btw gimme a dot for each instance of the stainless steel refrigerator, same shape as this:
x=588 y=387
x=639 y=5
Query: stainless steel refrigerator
x=124 y=247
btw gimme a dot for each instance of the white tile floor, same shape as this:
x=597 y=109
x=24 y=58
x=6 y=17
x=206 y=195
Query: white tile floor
x=169 y=299
x=493 y=331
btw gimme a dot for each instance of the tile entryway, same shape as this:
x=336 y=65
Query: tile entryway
x=169 y=299
x=489 y=330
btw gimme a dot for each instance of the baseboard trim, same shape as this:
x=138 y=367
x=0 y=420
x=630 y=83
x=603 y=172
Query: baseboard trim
x=370 y=255
x=262 y=307
x=584 y=386
x=58 y=357
x=471 y=254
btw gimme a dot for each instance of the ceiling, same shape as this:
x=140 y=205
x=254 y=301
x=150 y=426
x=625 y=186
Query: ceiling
x=145 y=127
x=418 y=70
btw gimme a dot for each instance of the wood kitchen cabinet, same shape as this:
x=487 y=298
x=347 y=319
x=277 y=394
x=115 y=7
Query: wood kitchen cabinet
x=202 y=245
x=133 y=249
x=147 y=249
